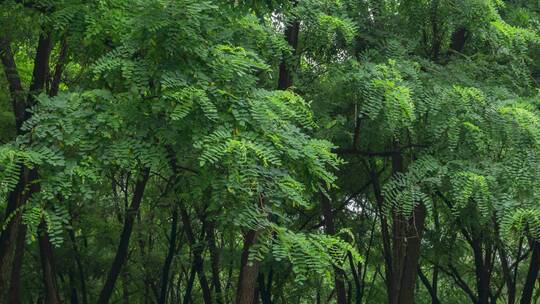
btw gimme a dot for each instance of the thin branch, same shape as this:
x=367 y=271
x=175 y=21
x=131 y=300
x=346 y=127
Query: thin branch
x=354 y=151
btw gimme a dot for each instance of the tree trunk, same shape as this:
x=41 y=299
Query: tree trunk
x=430 y=287
x=292 y=32
x=198 y=262
x=505 y=265
x=17 y=197
x=458 y=39
x=168 y=260
x=121 y=252
x=59 y=69
x=214 y=256
x=14 y=295
x=387 y=251
x=47 y=265
x=80 y=268
x=436 y=36
x=356 y=279
x=341 y=295
x=414 y=232
x=532 y=274
x=401 y=259
x=189 y=287
x=247 y=281
x=265 y=294
x=482 y=278
x=285 y=70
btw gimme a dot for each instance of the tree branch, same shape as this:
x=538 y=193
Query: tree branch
x=354 y=151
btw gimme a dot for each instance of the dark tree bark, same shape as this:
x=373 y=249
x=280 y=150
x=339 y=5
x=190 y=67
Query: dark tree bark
x=14 y=295
x=121 y=252
x=481 y=271
x=214 y=257
x=168 y=260
x=429 y=287
x=435 y=283
x=341 y=294
x=80 y=268
x=285 y=70
x=198 y=263
x=20 y=194
x=59 y=69
x=266 y=296
x=505 y=265
x=436 y=35
x=532 y=274
x=189 y=286
x=292 y=32
x=247 y=281
x=414 y=232
x=356 y=279
x=401 y=259
x=387 y=253
x=48 y=266
x=14 y=82
x=458 y=39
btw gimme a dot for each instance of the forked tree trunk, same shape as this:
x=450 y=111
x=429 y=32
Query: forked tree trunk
x=20 y=103
x=401 y=250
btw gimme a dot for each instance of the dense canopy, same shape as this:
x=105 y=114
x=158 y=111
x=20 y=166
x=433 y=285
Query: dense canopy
x=270 y=151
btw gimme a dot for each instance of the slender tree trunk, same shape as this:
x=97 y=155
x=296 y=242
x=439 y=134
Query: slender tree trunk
x=482 y=278
x=121 y=252
x=18 y=196
x=434 y=284
x=80 y=268
x=74 y=296
x=356 y=279
x=189 y=286
x=14 y=83
x=532 y=274
x=430 y=288
x=264 y=293
x=341 y=294
x=59 y=69
x=436 y=36
x=505 y=265
x=292 y=32
x=214 y=257
x=169 y=258
x=14 y=295
x=387 y=251
x=198 y=263
x=247 y=281
x=285 y=70
x=48 y=266
x=125 y=286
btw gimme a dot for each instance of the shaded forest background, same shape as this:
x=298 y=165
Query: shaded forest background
x=309 y=151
